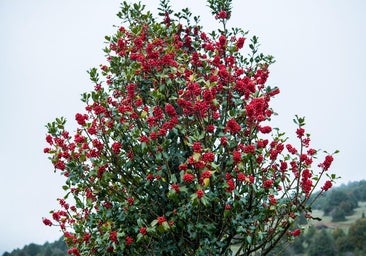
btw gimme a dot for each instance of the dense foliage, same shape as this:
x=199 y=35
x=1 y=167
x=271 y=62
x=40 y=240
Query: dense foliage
x=175 y=154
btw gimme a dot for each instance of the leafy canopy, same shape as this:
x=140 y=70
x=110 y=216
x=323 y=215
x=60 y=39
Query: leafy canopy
x=175 y=154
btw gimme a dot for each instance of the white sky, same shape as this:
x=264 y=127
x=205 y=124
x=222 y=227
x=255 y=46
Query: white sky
x=47 y=46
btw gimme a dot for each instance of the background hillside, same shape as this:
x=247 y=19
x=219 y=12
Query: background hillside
x=57 y=248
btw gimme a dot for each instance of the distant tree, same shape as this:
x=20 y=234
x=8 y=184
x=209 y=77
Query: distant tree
x=57 y=248
x=338 y=214
x=337 y=198
x=358 y=190
x=343 y=245
x=351 y=193
x=32 y=249
x=322 y=244
x=362 y=191
x=48 y=251
x=349 y=206
x=60 y=244
x=337 y=233
x=341 y=241
x=357 y=234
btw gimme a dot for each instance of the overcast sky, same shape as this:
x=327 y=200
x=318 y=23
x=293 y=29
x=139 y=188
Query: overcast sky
x=46 y=47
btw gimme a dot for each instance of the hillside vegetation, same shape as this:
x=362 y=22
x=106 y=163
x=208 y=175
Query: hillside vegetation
x=338 y=228
x=57 y=248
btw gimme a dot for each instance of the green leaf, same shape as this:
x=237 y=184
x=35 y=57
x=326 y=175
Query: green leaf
x=79 y=204
x=173 y=179
x=165 y=225
x=151 y=230
x=183 y=189
x=204 y=201
x=139 y=237
x=154 y=222
x=249 y=239
x=140 y=222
